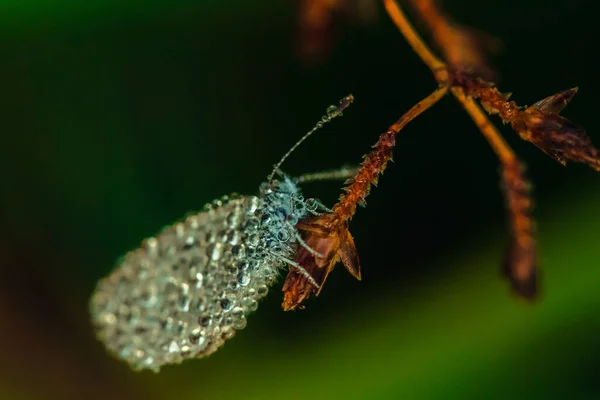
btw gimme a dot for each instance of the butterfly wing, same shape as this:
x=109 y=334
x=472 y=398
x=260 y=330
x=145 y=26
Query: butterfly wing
x=183 y=292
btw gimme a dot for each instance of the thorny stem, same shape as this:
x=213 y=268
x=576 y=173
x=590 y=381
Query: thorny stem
x=376 y=161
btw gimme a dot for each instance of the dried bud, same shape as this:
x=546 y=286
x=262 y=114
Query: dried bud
x=555 y=135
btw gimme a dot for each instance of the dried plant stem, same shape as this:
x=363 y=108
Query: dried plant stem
x=412 y=37
x=376 y=161
x=499 y=145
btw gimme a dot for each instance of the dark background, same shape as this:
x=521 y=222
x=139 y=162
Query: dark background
x=118 y=118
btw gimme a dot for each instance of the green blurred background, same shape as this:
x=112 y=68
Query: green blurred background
x=119 y=117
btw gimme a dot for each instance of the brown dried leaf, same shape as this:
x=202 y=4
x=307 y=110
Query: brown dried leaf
x=332 y=242
x=555 y=135
x=555 y=103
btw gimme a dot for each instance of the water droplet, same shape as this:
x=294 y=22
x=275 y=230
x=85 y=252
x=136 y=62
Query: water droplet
x=205 y=321
x=232 y=269
x=217 y=317
x=108 y=318
x=181 y=325
x=250 y=304
x=238 y=251
x=233 y=220
x=226 y=304
x=173 y=347
x=192 y=221
x=283 y=235
x=262 y=291
x=148 y=361
x=189 y=243
x=167 y=324
x=199 y=304
x=185 y=351
x=152 y=247
x=243 y=279
x=125 y=351
x=183 y=304
x=233 y=238
x=253 y=239
x=252 y=224
x=237 y=312
x=331 y=111
x=179 y=229
x=195 y=336
x=196 y=278
x=240 y=323
x=227 y=332
x=251 y=204
x=217 y=252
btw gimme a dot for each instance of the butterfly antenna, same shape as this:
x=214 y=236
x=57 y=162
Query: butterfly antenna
x=332 y=112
